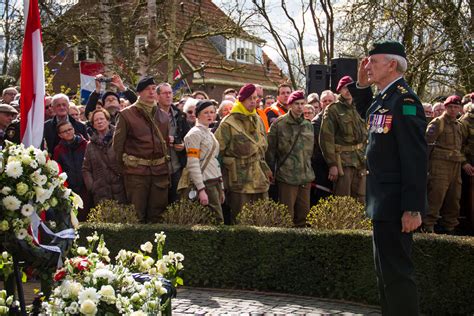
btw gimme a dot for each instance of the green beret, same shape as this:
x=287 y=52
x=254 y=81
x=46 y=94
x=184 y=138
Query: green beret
x=388 y=47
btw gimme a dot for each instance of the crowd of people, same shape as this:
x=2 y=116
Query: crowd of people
x=142 y=148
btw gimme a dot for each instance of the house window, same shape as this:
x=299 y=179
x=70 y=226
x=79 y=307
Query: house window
x=243 y=51
x=83 y=53
x=141 y=42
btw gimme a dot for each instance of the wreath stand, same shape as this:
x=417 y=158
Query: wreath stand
x=19 y=286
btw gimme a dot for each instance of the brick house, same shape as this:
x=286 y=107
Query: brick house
x=210 y=63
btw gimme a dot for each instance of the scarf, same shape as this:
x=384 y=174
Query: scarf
x=240 y=108
x=149 y=108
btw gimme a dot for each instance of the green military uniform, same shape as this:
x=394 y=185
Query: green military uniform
x=242 y=141
x=446 y=137
x=290 y=147
x=342 y=139
x=467 y=196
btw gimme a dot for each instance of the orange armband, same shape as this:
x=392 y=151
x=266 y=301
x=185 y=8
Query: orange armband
x=193 y=152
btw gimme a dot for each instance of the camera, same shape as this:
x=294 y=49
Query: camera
x=105 y=79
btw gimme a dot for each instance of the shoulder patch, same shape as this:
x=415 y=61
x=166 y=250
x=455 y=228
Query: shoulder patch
x=408 y=109
x=408 y=100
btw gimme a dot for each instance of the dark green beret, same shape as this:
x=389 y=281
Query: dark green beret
x=145 y=82
x=388 y=47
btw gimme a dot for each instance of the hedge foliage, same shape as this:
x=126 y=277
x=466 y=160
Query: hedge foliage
x=330 y=264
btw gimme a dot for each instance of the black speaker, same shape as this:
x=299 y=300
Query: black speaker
x=317 y=78
x=341 y=67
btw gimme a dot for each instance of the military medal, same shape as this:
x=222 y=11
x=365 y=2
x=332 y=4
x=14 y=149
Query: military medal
x=388 y=124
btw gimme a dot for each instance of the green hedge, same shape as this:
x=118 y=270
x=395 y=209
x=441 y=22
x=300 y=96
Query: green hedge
x=330 y=264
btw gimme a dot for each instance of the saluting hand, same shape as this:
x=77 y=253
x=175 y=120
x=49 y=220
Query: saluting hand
x=362 y=77
x=409 y=222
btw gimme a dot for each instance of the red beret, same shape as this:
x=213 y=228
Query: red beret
x=295 y=96
x=246 y=91
x=453 y=99
x=343 y=82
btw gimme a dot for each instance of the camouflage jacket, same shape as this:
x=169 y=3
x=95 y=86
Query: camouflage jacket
x=343 y=133
x=242 y=141
x=467 y=120
x=446 y=136
x=296 y=169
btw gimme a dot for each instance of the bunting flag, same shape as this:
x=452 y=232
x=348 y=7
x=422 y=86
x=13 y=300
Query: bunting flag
x=88 y=72
x=32 y=82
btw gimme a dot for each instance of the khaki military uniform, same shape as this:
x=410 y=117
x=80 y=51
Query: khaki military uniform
x=290 y=147
x=243 y=142
x=141 y=149
x=342 y=139
x=199 y=142
x=446 y=137
x=467 y=196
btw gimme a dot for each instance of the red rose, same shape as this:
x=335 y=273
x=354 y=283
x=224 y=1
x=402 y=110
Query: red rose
x=59 y=275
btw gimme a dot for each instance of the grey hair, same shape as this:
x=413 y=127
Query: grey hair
x=223 y=104
x=327 y=92
x=160 y=85
x=59 y=96
x=402 y=63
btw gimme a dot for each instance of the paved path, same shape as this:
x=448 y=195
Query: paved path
x=200 y=301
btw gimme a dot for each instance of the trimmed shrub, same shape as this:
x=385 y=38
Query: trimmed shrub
x=338 y=212
x=110 y=211
x=187 y=212
x=265 y=213
x=329 y=264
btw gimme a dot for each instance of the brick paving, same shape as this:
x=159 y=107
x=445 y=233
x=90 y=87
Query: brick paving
x=200 y=301
x=227 y=302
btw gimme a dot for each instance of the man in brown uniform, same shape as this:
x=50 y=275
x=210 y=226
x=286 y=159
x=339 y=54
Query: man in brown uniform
x=140 y=143
x=446 y=137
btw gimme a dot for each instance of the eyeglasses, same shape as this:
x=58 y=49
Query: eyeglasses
x=190 y=112
x=67 y=130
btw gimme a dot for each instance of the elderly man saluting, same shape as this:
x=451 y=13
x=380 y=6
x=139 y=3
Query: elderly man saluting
x=397 y=171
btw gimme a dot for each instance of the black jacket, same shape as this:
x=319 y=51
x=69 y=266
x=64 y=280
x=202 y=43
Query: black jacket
x=396 y=151
x=182 y=128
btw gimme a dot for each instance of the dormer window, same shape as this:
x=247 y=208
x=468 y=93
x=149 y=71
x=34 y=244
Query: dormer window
x=243 y=51
x=83 y=53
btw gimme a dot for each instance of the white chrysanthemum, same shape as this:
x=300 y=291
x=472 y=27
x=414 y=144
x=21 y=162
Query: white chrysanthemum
x=52 y=167
x=82 y=251
x=88 y=307
x=88 y=294
x=147 y=247
x=27 y=210
x=104 y=274
x=21 y=233
x=6 y=190
x=11 y=203
x=14 y=169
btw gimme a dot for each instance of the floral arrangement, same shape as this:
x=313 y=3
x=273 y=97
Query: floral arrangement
x=89 y=284
x=7 y=303
x=31 y=183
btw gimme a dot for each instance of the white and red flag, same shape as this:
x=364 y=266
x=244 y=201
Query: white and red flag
x=32 y=78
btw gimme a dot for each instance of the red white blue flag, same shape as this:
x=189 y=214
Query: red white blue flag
x=32 y=78
x=88 y=72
